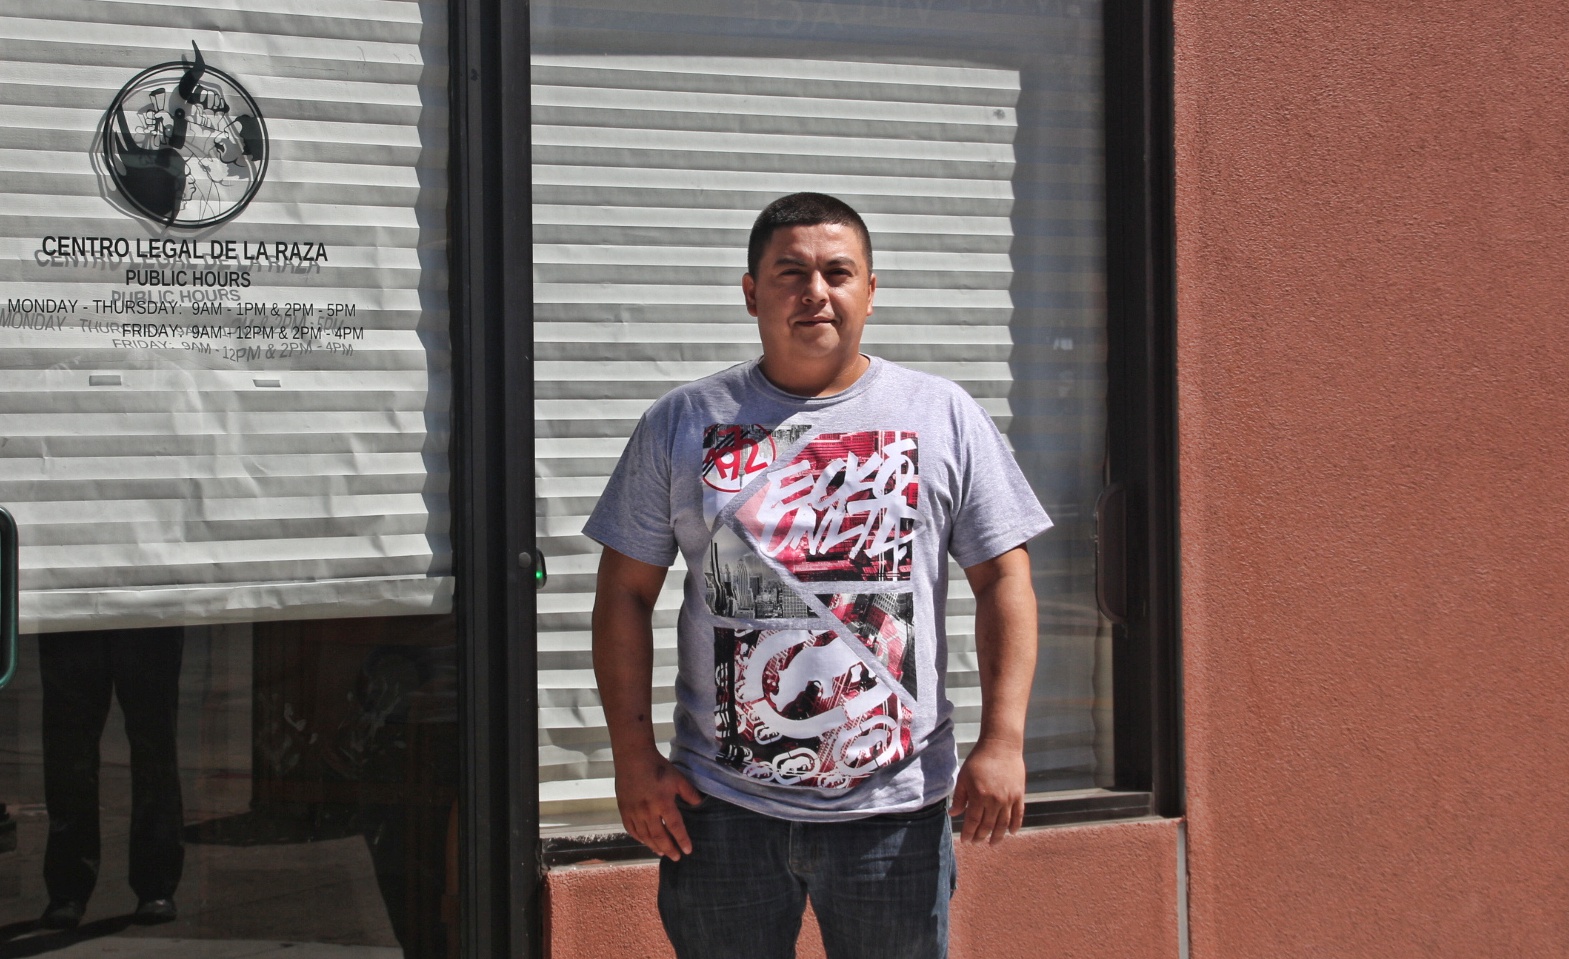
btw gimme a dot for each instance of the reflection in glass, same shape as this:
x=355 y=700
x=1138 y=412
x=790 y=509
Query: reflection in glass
x=208 y=428
x=316 y=764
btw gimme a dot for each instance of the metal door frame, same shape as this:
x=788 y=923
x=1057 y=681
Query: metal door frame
x=493 y=467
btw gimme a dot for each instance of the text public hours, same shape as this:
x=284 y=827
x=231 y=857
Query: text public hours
x=160 y=277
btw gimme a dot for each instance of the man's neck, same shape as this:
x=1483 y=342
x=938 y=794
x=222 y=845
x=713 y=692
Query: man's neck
x=813 y=382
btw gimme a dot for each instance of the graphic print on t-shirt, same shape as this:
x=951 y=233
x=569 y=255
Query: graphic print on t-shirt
x=829 y=704
x=738 y=584
x=881 y=621
x=733 y=454
x=802 y=706
x=843 y=510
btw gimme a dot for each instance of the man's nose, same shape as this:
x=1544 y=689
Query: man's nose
x=816 y=288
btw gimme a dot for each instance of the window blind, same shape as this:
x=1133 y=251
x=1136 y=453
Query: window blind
x=270 y=448
x=971 y=143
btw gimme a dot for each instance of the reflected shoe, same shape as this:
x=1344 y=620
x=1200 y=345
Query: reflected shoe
x=151 y=911
x=62 y=914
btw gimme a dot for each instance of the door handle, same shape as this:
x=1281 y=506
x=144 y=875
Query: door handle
x=9 y=593
x=534 y=562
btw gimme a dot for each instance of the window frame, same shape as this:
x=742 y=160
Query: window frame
x=499 y=864
x=1142 y=396
x=1141 y=444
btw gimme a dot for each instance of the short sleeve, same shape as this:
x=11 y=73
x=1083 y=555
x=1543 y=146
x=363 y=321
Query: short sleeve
x=633 y=514
x=996 y=509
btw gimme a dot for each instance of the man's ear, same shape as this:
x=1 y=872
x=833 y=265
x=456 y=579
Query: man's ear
x=749 y=290
x=871 y=291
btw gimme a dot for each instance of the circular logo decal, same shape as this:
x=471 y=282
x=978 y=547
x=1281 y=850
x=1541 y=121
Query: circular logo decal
x=734 y=453
x=185 y=144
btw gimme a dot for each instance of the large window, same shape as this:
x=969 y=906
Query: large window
x=971 y=138
x=225 y=411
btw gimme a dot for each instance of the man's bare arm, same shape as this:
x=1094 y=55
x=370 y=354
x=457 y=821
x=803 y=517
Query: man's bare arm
x=990 y=790
x=646 y=783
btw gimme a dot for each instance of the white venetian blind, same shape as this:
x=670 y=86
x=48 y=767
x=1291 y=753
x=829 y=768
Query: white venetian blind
x=175 y=474
x=970 y=143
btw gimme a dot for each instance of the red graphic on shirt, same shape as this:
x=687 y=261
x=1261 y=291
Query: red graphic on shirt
x=801 y=707
x=844 y=509
x=883 y=623
x=732 y=454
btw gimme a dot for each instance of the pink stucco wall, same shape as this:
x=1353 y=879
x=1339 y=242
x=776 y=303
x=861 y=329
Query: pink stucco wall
x=1076 y=892
x=1373 y=204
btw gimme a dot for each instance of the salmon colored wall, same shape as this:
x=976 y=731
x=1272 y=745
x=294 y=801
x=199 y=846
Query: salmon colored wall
x=1373 y=352
x=1078 y=892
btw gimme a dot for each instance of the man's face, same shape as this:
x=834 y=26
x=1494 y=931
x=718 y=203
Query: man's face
x=811 y=296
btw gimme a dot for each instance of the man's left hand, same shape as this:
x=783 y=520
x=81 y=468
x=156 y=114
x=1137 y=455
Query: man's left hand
x=990 y=791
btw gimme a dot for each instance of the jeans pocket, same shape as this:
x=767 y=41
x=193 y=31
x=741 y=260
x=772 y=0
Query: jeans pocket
x=703 y=802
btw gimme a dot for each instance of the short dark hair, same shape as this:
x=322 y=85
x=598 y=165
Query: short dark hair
x=802 y=209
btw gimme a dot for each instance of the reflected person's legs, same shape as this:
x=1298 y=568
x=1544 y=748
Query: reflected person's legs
x=74 y=669
x=145 y=664
x=408 y=848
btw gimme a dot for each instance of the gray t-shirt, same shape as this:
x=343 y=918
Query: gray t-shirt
x=815 y=533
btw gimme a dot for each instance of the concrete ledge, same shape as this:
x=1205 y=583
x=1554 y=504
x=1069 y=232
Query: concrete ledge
x=1049 y=893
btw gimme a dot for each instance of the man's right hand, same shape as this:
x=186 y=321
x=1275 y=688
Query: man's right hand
x=646 y=789
x=646 y=784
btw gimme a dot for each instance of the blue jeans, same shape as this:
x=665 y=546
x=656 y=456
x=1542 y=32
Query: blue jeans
x=879 y=886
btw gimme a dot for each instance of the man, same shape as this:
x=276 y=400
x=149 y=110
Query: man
x=815 y=495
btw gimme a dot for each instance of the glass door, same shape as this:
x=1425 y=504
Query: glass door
x=225 y=411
